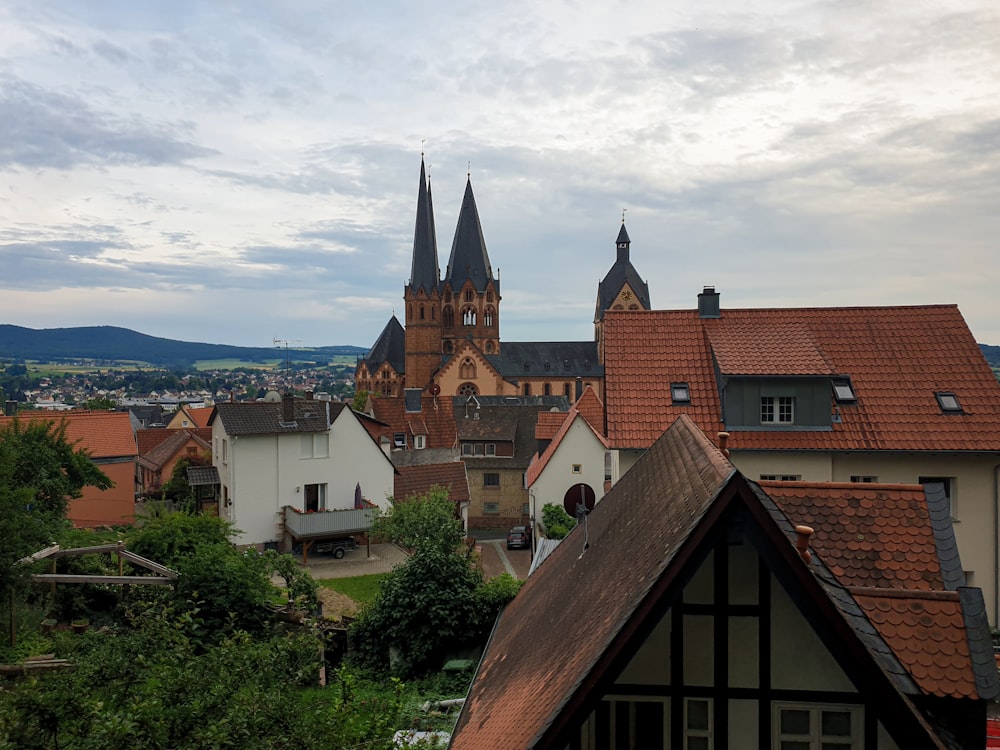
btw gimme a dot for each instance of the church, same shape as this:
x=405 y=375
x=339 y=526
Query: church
x=451 y=342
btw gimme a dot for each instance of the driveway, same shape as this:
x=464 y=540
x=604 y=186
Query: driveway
x=497 y=559
x=355 y=562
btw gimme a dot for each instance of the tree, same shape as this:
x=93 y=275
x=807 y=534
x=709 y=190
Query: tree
x=557 y=522
x=360 y=399
x=100 y=403
x=45 y=461
x=423 y=521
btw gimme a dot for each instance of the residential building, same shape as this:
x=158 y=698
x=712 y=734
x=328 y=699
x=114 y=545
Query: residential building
x=304 y=454
x=420 y=479
x=695 y=609
x=862 y=394
x=108 y=438
x=155 y=466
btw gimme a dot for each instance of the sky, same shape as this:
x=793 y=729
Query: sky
x=241 y=172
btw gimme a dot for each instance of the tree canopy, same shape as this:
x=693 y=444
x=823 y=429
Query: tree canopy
x=422 y=522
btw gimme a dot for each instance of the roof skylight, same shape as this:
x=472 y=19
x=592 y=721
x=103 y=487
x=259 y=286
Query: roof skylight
x=948 y=402
x=842 y=391
x=680 y=393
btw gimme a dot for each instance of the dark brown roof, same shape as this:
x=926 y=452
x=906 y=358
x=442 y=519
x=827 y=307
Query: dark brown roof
x=417 y=480
x=435 y=420
x=264 y=418
x=159 y=456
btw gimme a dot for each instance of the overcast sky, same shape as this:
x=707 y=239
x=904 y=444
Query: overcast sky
x=235 y=172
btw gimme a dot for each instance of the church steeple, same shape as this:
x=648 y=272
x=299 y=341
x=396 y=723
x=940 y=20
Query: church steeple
x=424 y=270
x=621 y=289
x=469 y=259
x=622 y=244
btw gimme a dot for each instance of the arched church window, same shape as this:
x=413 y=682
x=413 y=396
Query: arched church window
x=489 y=295
x=447 y=295
x=468 y=389
x=469 y=316
x=448 y=317
x=421 y=312
x=467 y=370
x=489 y=317
x=468 y=295
x=409 y=312
x=433 y=313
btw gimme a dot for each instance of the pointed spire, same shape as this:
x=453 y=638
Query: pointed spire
x=469 y=259
x=424 y=271
x=623 y=242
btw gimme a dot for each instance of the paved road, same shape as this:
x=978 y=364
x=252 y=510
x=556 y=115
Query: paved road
x=497 y=559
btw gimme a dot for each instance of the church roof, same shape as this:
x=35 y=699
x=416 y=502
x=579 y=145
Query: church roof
x=621 y=273
x=469 y=259
x=424 y=271
x=389 y=347
x=525 y=359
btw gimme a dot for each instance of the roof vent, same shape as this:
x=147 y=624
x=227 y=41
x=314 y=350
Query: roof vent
x=802 y=534
x=708 y=303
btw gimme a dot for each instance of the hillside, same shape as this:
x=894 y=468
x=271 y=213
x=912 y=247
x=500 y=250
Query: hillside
x=113 y=343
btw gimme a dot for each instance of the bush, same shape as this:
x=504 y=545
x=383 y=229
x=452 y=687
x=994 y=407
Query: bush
x=558 y=523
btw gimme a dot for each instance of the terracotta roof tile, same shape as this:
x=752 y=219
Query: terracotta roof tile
x=416 y=480
x=539 y=463
x=592 y=408
x=548 y=424
x=926 y=630
x=896 y=357
x=436 y=416
x=106 y=434
x=867 y=534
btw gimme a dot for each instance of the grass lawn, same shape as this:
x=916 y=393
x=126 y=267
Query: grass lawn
x=361 y=589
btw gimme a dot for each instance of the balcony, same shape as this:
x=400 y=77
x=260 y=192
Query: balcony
x=323 y=523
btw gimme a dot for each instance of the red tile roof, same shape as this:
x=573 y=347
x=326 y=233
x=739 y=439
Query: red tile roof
x=199 y=415
x=896 y=357
x=148 y=439
x=592 y=408
x=548 y=424
x=926 y=631
x=435 y=419
x=866 y=534
x=416 y=480
x=106 y=434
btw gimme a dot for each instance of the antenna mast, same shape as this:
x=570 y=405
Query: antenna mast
x=285 y=343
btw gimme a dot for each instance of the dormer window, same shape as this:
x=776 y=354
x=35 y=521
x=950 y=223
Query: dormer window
x=777 y=410
x=948 y=402
x=843 y=392
x=680 y=393
x=399 y=439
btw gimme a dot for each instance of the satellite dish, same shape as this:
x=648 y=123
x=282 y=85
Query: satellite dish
x=272 y=397
x=435 y=389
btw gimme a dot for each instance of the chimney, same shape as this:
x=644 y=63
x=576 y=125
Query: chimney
x=579 y=388
x=802 y=534
x=288 y=409
x=309 y=394
x=10 y=408
x=708 y=303
x=724 y=443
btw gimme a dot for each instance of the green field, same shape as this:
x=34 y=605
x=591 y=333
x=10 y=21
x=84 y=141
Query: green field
x=237 y=364
x=60 y=368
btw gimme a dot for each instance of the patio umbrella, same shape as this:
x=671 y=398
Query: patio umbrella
x=358 y=501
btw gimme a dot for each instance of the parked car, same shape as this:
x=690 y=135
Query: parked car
x=519 y=537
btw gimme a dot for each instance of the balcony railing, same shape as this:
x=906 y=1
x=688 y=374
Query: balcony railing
x=327 y=522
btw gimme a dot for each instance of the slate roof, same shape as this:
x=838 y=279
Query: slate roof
x=896 y=358
x=622 y=272
x=416 y=480
x=565 y=359
x=501 y=421
x=390 y=346
x=264 y=418
x=530 y=688
x=105 y=434
x=201 y=475
x=425 y=273
x=469 y=259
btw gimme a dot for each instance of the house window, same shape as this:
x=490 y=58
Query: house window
x=777 y=409
x=547 y=390
x=480 y=449
x=315 y=496
x=491 y=479
x=225 y=451
x=314 y=445
x=813 y=727
x=468 y=449
x=697 y=724
x=527 y=389
x=948 y=402
x=781 y=477
x=491 y=508
x=526 y=509
x=843 y=392
x=948 y=483
x=680 y=393
x=864 y=478
x=419 y=442
x=634 y=723
x=491 y=449
x=566 y=390
x=399 y=440
x=577 y=468
x=608 y=462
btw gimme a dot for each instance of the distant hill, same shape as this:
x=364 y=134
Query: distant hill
x=992 y=354
x=112 y=343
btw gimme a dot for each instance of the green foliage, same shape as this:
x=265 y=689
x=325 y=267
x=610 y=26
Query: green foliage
x=359 y=401
x=494 y=594
x=300 y=588
x=558 y=523
x=170 y=537
x=361 y=589
x=177 y=489
x=100 y=403
x=422 y=522
x=426 y=607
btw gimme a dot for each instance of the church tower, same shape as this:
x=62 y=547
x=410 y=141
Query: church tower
x=422 y=295
x=470 y=296
x=621 y=289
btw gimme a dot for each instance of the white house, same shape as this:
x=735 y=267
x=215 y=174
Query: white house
x=301 y=453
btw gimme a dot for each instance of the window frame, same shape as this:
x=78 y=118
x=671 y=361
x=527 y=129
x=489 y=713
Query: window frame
x=680 y=393
x=948 y=402
x=815 y=739
x=419 y=442
x=488 y=476
x=843 y=391
x=491 y=508
x=777 y=410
